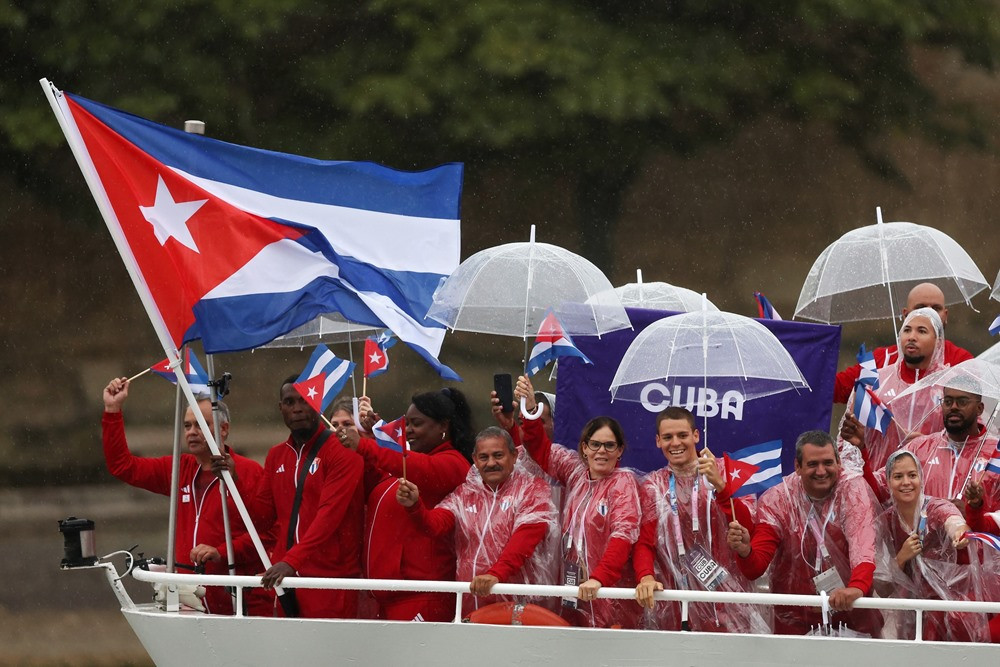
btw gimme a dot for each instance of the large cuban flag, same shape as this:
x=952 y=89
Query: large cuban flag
x=239 y=245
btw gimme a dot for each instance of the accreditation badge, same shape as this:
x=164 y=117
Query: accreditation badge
x=828 y=580
x=700 y=564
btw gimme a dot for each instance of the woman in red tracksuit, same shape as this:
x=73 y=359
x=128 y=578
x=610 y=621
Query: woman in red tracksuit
x=600 y=521
x=395 y=546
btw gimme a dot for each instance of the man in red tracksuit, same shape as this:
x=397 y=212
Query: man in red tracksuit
x=924 y=295
x=324 y=537
x=199 y=505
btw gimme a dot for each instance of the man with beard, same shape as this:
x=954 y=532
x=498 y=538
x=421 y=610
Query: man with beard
x=921 y=338
x=311 y=496
x=951 y=457
x=924 y=295
x=500 y=518
x=818 y=528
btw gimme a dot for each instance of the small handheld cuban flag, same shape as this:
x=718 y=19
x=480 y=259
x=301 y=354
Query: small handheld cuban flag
x=550 y=343
x=995 y=327
x=993 y=465
x=192 y=369
x=738 y=473
x=765 y=311
x=759 y=468
x=376 y=357
x=868 y=408
x=323 y=378
x=392 y=435
x=989 y=539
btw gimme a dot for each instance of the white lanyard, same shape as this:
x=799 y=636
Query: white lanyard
x=812 y=521
x=675 y=518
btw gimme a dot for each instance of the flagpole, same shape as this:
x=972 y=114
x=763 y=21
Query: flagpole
x=78 y=147
x=139 y=375
x=350 y=357
x=198 y=127
x=175 y=473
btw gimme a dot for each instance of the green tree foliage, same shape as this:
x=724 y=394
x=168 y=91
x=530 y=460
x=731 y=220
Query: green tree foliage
x=584 y=89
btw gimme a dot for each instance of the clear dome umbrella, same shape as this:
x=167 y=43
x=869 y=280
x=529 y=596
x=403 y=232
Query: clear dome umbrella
x=660 y=296
x=992 y=354
x=507 y=290
x=328 y=328
x=868 y=272
x=726 y=351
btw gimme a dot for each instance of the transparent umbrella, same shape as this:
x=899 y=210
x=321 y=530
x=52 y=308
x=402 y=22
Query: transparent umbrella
x=995 y=294
x=724 y=350
x=660 y=296
x=329 y=328
x=992 y=354
x=867 y=273
x=507 y=290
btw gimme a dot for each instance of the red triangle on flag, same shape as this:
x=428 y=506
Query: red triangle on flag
x=312 y=390
x=738 y=473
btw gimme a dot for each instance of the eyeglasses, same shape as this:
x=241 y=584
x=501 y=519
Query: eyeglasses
x=960 y=401
x=595 y=445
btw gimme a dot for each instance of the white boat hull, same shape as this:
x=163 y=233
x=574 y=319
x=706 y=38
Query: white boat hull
x=186 y=639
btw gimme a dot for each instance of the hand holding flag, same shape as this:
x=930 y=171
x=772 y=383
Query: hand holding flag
x=393 y=436
x=550 y=343
x=192 y=369
x=323 y=378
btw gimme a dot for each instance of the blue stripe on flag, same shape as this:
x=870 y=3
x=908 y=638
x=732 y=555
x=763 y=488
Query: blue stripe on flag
x=767 y=455
x=434 y=193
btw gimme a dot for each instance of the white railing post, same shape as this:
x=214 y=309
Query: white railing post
x=458 y=608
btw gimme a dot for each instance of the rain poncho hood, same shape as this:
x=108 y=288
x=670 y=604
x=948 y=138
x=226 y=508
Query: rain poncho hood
x=933 y=574
x=917 y=413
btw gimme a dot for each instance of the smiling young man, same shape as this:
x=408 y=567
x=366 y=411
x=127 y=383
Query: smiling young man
x=500 y=516
x=682 y=534
x=817 y=532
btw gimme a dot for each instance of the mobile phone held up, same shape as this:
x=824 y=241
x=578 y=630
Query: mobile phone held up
x=504 y=387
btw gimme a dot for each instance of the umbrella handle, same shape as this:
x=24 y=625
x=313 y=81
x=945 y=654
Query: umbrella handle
x=528 y=415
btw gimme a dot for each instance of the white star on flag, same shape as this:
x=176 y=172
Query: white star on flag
x=375 y=358
x=312 y=392
x=399 y=433
x=169 y=218
x=736 y=474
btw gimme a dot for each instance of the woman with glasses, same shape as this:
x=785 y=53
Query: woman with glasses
x=925 y=534
x=600 y=521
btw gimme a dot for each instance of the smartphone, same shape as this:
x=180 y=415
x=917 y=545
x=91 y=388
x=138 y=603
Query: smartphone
x=504 y=387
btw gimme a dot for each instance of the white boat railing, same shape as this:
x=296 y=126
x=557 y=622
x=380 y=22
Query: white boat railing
x=684 y=597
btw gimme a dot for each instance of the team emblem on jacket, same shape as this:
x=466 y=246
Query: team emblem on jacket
x=602 y=508
x=313 y=466
x=505 y=503
x=472 y=509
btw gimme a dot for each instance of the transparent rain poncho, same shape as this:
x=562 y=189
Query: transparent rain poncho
x=485 y=521
x=595 y=512
x=706 y=538
x=918 y=412
x=935 y=573
x=846 y=521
